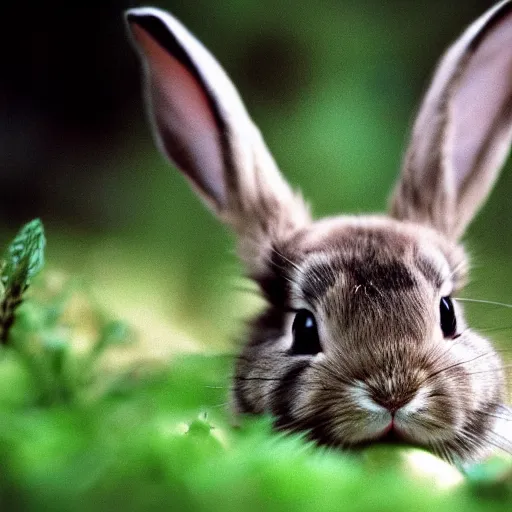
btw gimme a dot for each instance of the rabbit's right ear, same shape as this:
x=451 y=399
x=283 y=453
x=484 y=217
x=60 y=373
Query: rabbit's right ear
x=463 y=131
x=201 y=124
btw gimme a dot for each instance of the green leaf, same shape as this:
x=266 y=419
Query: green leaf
x=24 y=257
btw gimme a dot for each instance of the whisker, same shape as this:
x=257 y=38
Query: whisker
x=218 y=406
x=505 y=443
x=488 y=302
x=495 y=329
x=472 y=439
x=241 y=357
x=444 y=352
x=230 y=355
x=285 y=271
x=455 y=365
x=270 y=379
x=502 y=408
x=498 y=417
x=501 y=443
x=497 y=435
x=507 y=367
x=446 y=455
x=247 y=289
x=292 y=263
x=438 y=451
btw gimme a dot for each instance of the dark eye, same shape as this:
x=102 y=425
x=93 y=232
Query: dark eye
x=448 y=321
x=305 y=334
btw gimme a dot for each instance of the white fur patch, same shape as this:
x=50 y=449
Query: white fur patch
x=417 y=403
x=379 y=418
x=360 y=395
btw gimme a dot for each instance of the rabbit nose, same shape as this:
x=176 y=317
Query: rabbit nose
x=393 y=402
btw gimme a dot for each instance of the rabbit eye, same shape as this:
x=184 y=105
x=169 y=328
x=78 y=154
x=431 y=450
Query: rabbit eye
x=305 y=334
x=448 y=321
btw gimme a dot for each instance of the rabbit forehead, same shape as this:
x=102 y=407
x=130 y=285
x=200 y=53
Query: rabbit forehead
x=373 y=253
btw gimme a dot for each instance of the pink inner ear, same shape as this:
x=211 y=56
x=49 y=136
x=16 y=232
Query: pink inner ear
x=185 y=123
x=484 y=90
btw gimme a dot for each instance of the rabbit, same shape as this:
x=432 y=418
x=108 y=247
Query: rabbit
x=361 y=340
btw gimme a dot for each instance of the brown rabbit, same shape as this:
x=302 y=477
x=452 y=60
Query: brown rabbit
x=361 y=340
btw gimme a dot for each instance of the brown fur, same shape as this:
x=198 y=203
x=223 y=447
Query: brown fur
x=378 y=286
x=373 y=285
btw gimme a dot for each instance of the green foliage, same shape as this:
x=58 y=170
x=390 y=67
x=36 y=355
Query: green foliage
x=43 y=369
x=148 y=445
x=23 y=259
x=162 y=440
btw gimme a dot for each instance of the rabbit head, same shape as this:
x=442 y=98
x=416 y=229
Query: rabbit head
x=361 y=340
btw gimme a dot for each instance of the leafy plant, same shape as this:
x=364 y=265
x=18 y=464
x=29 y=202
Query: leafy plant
x=40 y=337
x=23 y=259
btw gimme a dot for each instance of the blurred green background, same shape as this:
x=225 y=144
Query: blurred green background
x=333 y=85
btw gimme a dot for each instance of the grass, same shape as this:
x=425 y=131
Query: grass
x=80 y=432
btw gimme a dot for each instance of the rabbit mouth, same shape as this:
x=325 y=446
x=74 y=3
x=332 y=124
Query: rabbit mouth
x=394 y=436
x=390 y=436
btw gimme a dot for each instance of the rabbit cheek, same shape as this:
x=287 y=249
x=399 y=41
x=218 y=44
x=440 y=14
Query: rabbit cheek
x=475 y=438
x=286 y=395
x=254 y=381
x=268 y=382
x=485 y=371
x=434 y=416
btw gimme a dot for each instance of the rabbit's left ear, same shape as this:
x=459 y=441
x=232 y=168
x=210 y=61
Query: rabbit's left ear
x=463 y=131
x=201 y=124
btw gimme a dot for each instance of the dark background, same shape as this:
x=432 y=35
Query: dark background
x=333 y=84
